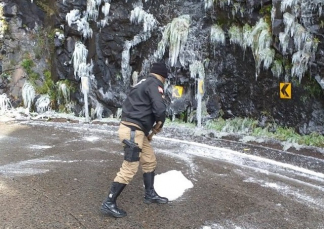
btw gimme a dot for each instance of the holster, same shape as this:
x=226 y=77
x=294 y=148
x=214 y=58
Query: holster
x=131 y=149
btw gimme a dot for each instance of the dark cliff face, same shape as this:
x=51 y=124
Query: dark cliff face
x=231 y=88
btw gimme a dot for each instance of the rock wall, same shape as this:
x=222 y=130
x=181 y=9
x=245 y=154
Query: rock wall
x=120 y=50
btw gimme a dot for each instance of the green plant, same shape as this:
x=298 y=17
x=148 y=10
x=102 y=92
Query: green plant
x=44 y=5
x=6 y=76
x=312 y=88
x=27 y=64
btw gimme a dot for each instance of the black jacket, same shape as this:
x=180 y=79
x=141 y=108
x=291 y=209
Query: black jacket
x=145 y=104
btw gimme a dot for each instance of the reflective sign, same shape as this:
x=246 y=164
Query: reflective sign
x=200 y=86
x=177 y=91
x=285 y=91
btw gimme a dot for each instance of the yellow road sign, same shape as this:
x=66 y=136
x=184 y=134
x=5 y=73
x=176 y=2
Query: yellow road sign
x=285 y=91
x=201 y=86
x=177 y=91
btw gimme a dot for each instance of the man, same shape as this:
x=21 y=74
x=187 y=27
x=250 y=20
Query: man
x=143 y=107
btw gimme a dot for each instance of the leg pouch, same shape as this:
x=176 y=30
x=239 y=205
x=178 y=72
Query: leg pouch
x=131 y=152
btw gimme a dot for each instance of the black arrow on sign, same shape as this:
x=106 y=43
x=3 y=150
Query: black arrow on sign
x=283 y=90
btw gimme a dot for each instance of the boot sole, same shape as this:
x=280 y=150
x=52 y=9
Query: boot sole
x=154 y=202
x=109 y=213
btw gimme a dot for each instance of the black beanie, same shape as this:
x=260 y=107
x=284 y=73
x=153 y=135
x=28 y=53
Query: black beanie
x=160 y=69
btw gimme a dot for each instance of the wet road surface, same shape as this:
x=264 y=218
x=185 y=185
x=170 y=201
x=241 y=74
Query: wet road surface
x=57 y=175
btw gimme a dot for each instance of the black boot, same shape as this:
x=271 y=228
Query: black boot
x=150 y=195
x=109 y=207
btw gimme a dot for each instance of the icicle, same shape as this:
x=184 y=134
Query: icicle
x=300 y=61
x=237 y=7
x=236 y=35
x=284 y=41
x=287 y=3
x=273 y=13
x=175 y=36
x=84 y=27
x=164 y=43
x=303 y=40
x=208 y=4
x=300 y=35
x=105 y=9
x=217 y=35
x=5 y=103
x=42 y=104
x=197 y=71
x=267 y=56
x=92 y=9
x=99 y=110
x=85 y=70
x=125 y=68
x=289 y=21
x=277 y=68
x=246 y=34
x=28 y=95
x=260 y=40
x=64 y=90
x=138 y=15
x=79 y=56
x=197 y=68
x=73 y=16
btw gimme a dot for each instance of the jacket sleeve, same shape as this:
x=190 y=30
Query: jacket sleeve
x=156 y=94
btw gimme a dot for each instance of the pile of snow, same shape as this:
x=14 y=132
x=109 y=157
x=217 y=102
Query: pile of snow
x=171 y=184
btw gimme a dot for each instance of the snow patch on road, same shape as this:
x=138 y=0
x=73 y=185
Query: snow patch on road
x=248 y=160
x=40 y=147
x=286 y=190
x=91 y=138
x=28 y=167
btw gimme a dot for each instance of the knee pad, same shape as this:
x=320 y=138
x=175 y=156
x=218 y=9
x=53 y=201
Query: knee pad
x=132 y=151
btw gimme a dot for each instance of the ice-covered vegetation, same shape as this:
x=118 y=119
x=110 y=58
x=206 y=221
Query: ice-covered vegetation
x=175 y=37
x=64 y=92
x=28 y=95
x=277 y=68
x=105 y=10
x=43 y=104
x=75 y=17
x=236 y=35
x=79 y=57
x=258 y=38
x=3 y=22
x=297 y=16
x=305 y=44
x=5 y=103
x=217 y=35
x=125 y=68
x=138 y=15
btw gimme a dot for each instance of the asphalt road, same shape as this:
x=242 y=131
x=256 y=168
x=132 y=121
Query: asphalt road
x=57 y=175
